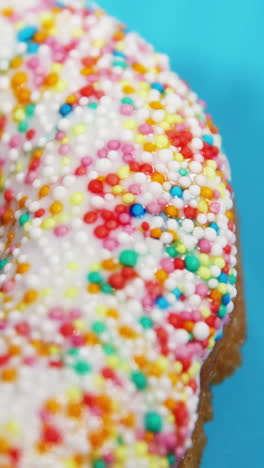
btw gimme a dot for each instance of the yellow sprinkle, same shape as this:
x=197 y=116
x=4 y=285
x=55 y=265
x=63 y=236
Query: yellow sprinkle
x=162 y=141
x=48 y=223
x=61 y=86
x=99 y=43
x=70 y=463
x=141 y=139
x=164 y=125
x=128 y=198
x=219 y=261
x=178 y=157
x=13 y=427
x=204 y=259
x=177 y=367
x=62 y=218
x=54 y=350
x=130 y=124
x=204 y=273
x=221 y=188
x=73 y=266
x=163 y=363
x=46 y=292
x=121 y=453
x=194 y=369
x=71 y=292
x=143 y=85
x=143 y=94
x=19 y=166
x=101 y=310
x=117 y=189
x=19 y=115
x=113 y=361
x=141 y=448
x=202 y=206
x=181 y=248
x=77 y=198
x=173 y=118
x=185 y=378
x=209 y=172
x=74 y=394
x=56 y=67
x=123 y=172
x=205 y=312
x=211 y=163
x=222 y=287
x=98 y=382
x=211 y=343
x=78 y=32
x=79 y=129
x=95 y=267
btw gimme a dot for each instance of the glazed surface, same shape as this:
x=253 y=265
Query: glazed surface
x=117 y=253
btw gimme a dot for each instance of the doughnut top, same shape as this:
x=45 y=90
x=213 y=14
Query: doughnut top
x=117 y=246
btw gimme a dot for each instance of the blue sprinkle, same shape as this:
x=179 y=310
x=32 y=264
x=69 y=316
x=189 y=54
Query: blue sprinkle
x=219 y=335
x=137 y=210
x=226 y=299
x=158 y=86
x=208 y=139
x=215 y=227
x=116 y=53
x=162 y=302
x=65 y=109
x=177 y=293
x=33 y=47
x=223 y=278
x=25 y=34
x=176 y=191
x=60 y=4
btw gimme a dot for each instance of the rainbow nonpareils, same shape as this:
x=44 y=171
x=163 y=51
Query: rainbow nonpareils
x=117 y=255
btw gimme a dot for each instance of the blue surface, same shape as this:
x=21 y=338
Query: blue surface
x=217 y=46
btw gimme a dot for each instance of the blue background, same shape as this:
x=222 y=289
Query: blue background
x=217 y=46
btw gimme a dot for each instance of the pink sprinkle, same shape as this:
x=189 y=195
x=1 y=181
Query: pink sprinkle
x=15 y=141
x=109 y=458
x=75 y=313
x=215 y=207
x=86 y=161
x=167 y=265
x=60 y=135
x=147 y=302
x=61 y=230
x=128 y=157
x=102 y=153
x=29 y=360
x=145 y=129
x=113 y=144
x=64 y=149
x=154 y=208
x=217 y=194
x=128 y=147
x=204 y=245
x=110 y=244
x=8 y=285
x=30 y=177
x=33 y=63
x=202 y=290
x=77 y=340
x=2 y=324
x=217 y=323
x=130 y=229
x=135 y=189
x=126 y=109
x=56 y=313
x=124 y=218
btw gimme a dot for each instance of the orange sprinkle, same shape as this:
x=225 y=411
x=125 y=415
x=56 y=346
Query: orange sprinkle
x=14 y=350
x=155 y=370
x=109 y=264
x=71 y=99
x=155 y=105
x=139 y=67
x=42 y=447
x=230 y=215
x=149 y=436
x=150 y=147
x=8 y=216
x=173 y=378
x=44 y=191
x=172 y=211
x=30 y=296
x=53 y=405
x=19 y=78
x=127 y=89
x=23 y=95
x=56 y=207
x=16 y=62
x=22 y=202
x=207 y=192
x=104 y=403
x=150 y=121
x=93 y=288
x=161 y=275
x=156 y=233
x=87 y=71
x=40 y=36
x=158 y=177
x=38 y=153
x=113 y=313
x=7 y=11
x=118 y=35
x=127 y=332
x=174 y=234
x=51 y=79
x=23 y=268
x=128 y=420
x=215 y=295
x=74 y=410
x=4 y=446
x=91 y=339
x=170 y=404
x=188 y=325
x=9 y=374
x=141 y=361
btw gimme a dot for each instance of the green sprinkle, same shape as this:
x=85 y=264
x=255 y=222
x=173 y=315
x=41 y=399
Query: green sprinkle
x=3 y=263
x=119 y=63
x=109 y=349
x=146 y=322
x=139 y=380
x=127 y=100
x=99 y=463
x=93 y=105
x=232 y=279
x=30 y=109
x=153 y=422
x=73 y=352
x=222 y=311
x=183 y=171
x=82 y=367
x=95 y=277
x=23 y=126
x=171 y=459
x=128 y=258
x=98 y=327
x=171 y=251
x=192 y=263
x=24 y=218
x=106 y=288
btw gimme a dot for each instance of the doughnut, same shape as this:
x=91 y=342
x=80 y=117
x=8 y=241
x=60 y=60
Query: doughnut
x=118 y=247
